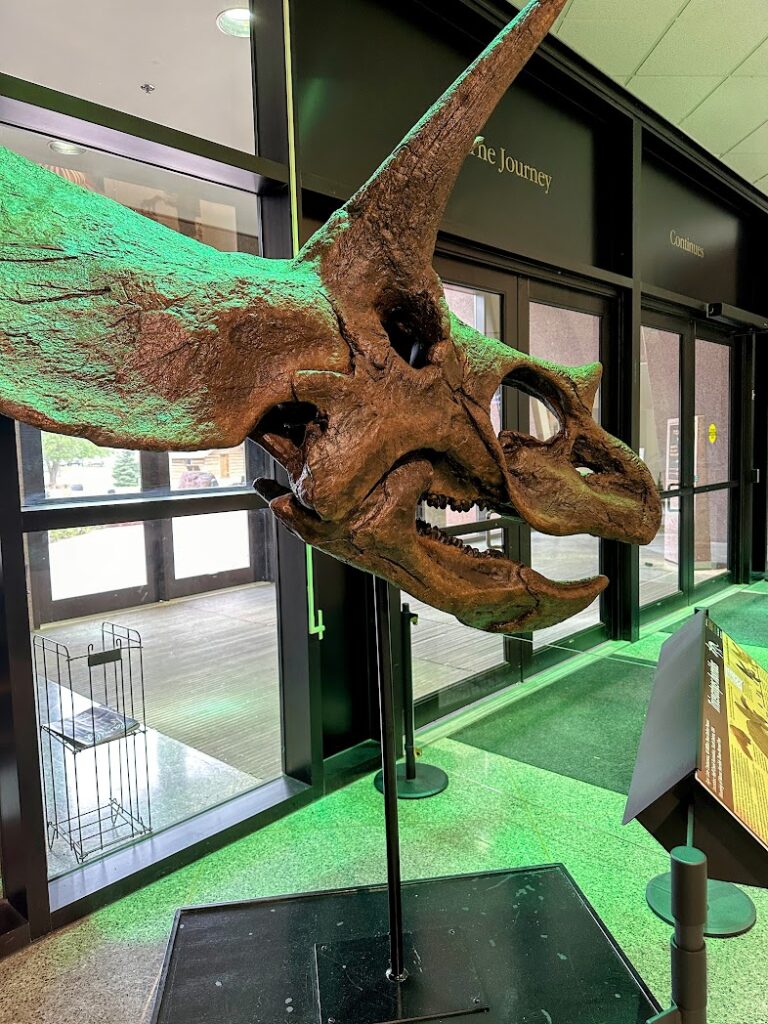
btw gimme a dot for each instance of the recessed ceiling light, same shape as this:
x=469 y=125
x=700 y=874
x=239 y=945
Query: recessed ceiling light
x=67 y=148
x=235 y=21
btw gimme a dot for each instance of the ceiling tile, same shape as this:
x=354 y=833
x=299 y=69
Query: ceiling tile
x=658 y=11
x=751 y=166
x=615 y=46
x=673 y=97
x=736 y=108
x=757 y=64
x=757 y=142
x=705 y=41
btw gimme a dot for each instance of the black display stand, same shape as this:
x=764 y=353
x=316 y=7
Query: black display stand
x=415 y=780
x=498 y=947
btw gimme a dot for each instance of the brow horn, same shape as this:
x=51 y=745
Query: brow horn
x=396 y=215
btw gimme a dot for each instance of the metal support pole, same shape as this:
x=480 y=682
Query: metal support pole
x=397 y=971
x=409 y=711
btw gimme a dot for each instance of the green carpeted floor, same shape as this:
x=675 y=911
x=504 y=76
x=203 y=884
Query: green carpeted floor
x=743 y=616
x=586 y=726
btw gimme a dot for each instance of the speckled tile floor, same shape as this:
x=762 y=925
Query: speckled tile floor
x=496 y=813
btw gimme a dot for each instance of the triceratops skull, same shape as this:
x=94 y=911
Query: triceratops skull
x=344 y=363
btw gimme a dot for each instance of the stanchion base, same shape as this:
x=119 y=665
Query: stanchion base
x=730 y=910
x=429 y=781
x=442 y=980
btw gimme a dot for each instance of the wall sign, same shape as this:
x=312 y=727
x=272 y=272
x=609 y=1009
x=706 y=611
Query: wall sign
x=529 y=185
x=504 y=163
x=690 y=243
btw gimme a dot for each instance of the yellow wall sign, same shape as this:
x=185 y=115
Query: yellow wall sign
x=712 y=433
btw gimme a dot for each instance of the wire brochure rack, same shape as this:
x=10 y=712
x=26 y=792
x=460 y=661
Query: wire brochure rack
x=92 y=715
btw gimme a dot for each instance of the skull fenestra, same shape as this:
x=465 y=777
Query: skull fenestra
x=345 y=363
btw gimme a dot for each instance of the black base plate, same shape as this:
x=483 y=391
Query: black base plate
x=429 y=781
x=540 y=952
x=442 y=981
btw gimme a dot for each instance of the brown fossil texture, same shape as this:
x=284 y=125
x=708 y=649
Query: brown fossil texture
x=345 y=363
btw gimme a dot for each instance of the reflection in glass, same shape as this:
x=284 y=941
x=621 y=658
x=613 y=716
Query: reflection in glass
x=571 y=338
x=660 y=405
x=73 y=467
x=710 y=533
x=224 y=218
x=214 y=467
x=210 y=660
x=713 y=413
x=660 y=560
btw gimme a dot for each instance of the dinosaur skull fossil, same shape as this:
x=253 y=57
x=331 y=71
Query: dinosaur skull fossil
x=344 y=363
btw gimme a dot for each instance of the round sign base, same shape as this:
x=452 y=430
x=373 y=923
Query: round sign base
x=429 y=781
x=730 y=910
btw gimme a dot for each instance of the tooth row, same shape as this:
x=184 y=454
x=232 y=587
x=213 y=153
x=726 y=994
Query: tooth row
x=446 y=501
x=445 y=538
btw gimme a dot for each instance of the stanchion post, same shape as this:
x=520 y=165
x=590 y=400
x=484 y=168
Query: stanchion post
x=397 y=972
x=407 y=619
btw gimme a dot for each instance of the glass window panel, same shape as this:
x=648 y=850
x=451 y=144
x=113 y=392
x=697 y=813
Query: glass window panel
x=660 y=405
x=211 y=678
x=710 y=530
x=208 y=544
x=88 y=560
x=167 y=62
x=571 y=338
x=713 y=413
x=660 y=560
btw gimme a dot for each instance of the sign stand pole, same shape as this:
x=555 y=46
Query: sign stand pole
x=688 y=948
x=730 y=911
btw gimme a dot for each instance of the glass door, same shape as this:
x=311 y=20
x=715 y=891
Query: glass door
x=660 y=449
x=454 y=664
x=566 y=327
x=686 y=431
x=713 y=492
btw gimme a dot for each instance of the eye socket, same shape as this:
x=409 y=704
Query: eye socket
x=412 y=324
x=291 y=420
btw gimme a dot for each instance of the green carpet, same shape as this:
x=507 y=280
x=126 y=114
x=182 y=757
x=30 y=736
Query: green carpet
x=743 y=616
x=585 y=726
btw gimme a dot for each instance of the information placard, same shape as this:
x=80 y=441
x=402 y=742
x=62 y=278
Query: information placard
x=733 y=756
x=703 y=755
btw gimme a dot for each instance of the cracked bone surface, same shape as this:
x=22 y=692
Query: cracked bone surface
x=344 y=363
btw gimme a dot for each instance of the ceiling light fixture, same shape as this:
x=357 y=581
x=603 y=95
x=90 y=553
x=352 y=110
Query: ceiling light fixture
x=67 y=148
x=235 y=21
